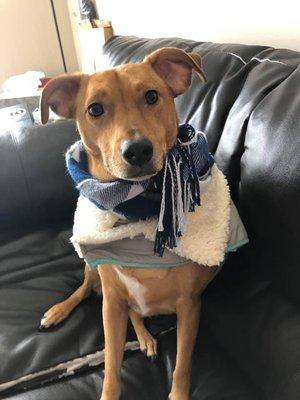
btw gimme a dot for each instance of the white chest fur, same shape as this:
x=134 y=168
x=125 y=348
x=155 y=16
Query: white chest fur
x=135 y=289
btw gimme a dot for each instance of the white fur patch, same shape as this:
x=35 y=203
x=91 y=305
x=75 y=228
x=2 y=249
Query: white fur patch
x=136 y=290
x=44 y=323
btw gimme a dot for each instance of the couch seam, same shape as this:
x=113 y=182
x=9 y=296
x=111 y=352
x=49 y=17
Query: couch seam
x=73 y=366
x=16 y=146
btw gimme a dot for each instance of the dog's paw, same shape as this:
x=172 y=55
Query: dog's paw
x=148 y=344
x=54 y=316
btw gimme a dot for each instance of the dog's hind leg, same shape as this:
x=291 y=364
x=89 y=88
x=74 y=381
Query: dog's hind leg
x=148 y=344
x=60 y=311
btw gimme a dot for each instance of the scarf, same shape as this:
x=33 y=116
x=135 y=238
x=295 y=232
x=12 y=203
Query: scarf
x=168 y=195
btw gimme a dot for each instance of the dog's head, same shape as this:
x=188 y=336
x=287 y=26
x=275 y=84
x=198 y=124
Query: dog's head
x=126 y=116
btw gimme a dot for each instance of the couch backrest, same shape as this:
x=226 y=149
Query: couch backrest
x=35 y=188
x=250 y=111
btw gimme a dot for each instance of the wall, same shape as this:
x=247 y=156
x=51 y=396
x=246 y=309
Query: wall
x=88 y=42
x=263 y=22
x=28 y=38
x=65 y=31
x=74 y=16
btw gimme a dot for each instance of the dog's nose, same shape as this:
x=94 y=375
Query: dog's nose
x=137 y=151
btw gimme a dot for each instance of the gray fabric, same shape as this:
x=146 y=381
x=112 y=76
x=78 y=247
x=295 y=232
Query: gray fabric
x=138 y=252
x=237 y=233
x=129 y=252
x=32 y=102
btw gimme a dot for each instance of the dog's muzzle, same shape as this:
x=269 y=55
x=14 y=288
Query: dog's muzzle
x=137 y=152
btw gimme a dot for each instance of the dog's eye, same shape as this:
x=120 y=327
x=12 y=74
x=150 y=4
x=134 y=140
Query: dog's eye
x=151 y=96
x=95 y=109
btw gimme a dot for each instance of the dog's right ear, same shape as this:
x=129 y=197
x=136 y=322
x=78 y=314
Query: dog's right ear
x=60 y=95
x=175 y=67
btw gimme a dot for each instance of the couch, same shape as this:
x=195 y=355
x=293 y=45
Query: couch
x=248 y=345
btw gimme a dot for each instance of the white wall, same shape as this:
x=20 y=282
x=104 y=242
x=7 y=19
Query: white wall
x=65 y=31
x=266 y=22
x=28 y=38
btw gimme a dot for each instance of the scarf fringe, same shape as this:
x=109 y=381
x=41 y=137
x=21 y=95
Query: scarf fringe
x=180 y=194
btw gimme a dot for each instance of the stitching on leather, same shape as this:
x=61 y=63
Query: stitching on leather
x=239 y=57
x=260 y=60
x=268 y=60
x=70 y=367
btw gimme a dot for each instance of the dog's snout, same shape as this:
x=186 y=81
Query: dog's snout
x=137 y=151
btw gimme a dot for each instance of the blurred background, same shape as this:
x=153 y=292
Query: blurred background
x=56 y=36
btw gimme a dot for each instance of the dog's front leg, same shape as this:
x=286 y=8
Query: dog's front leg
x=188 y=315
x=115 y=319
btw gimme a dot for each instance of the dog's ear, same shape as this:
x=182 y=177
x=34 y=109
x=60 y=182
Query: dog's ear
x=60 y=95
x=175 y=66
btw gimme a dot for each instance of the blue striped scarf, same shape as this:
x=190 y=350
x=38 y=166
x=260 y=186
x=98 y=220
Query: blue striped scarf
x=168 y=195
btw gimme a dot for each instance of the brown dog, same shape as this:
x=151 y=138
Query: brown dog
x=127 y=121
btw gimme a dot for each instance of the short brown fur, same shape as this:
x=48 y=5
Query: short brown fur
x=173 y=290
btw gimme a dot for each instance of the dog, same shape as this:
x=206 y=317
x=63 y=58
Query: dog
x=127 y=121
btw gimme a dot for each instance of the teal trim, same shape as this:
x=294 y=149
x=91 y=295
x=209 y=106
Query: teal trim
x=99 y=261
x=234 y=247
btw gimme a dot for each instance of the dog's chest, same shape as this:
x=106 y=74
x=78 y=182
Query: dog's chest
x=136 y=291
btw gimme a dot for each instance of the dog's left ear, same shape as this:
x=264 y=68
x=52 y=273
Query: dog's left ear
x=175 y=66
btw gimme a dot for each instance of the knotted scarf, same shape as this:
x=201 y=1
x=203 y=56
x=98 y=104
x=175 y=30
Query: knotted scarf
x=176 y=186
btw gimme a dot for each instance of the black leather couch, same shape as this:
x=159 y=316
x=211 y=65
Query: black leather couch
x=249 y=339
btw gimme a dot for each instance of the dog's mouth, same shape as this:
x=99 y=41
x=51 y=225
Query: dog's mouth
x=140 y=173
x=141 y=177
x=127 y=172
x=120 y=169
